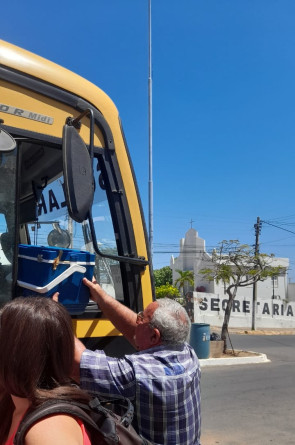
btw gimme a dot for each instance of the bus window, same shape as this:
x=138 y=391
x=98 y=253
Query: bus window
x=6 y=255
x=54 y=227
x=7 y=222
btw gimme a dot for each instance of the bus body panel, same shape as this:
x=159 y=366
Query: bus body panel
x=24 y=108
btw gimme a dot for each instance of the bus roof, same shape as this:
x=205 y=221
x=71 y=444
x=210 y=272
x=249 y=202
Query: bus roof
x=31 y=64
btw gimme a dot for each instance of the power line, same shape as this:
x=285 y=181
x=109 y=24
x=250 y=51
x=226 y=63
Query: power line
x=278 y=227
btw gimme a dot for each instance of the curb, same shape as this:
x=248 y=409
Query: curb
x=258 y=331
x=258 y=358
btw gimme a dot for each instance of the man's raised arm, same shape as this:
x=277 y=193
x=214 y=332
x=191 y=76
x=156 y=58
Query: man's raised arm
x=123 y=318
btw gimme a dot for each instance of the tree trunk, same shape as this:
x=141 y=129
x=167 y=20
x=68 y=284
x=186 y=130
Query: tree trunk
x=224 y=329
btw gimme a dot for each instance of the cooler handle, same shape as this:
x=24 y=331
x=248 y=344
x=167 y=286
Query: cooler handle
x=42 y=290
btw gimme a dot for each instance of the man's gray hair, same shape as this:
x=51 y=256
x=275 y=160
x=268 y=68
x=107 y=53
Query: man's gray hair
x=172 y=320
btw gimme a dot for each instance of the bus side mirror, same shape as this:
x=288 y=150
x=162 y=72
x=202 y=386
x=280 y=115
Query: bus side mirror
x=7 y=142
x=78 y=175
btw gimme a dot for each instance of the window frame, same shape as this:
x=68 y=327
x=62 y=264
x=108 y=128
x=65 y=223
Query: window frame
x=115 y=190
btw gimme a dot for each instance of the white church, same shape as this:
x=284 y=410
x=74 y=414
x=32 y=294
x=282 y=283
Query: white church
x=275 y=305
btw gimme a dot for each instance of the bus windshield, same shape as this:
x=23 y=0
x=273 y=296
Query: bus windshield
x=43 y=214
x=54 y=227
x=7 y=221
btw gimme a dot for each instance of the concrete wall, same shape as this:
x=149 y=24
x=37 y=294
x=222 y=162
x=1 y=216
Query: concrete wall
x=270 y=313
x=291 y=292
x=193 y=256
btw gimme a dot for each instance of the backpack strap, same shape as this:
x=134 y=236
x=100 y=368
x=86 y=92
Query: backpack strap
x=126 y=418
x=50 y=407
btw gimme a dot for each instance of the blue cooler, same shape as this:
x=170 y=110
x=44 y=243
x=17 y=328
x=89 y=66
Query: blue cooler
x=45 y=270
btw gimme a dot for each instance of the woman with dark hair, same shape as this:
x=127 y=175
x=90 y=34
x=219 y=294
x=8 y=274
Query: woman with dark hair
x=36 y=360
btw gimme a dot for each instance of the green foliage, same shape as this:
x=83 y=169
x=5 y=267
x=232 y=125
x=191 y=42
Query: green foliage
x=238 y=265
x=167 y=290
x=163 y=276
x=185 y=276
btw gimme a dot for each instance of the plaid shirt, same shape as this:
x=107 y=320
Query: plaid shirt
x=162 y=382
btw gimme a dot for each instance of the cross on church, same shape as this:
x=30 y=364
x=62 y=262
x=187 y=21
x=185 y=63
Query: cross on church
x=191 y=223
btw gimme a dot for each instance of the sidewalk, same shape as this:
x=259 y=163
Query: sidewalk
x=229 y=361
x=254 y=358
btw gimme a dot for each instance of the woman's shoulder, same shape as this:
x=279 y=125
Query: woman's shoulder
x=56 y=429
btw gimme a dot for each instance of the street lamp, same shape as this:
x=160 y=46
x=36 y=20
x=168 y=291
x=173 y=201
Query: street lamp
x=151 y=229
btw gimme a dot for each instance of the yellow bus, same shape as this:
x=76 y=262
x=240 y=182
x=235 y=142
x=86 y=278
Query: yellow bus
x=66 y=180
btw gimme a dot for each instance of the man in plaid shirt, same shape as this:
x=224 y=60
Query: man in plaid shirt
x=162 y=379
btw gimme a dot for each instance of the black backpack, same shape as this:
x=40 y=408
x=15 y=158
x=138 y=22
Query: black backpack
x=105 y=427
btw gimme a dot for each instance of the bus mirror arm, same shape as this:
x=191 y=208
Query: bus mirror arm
x=140 y=261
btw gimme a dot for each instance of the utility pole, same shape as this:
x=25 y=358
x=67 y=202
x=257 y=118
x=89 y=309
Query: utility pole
x=257 y=228
x=151 y=229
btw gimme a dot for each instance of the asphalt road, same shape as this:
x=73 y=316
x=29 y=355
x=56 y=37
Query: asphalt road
x=255 y=403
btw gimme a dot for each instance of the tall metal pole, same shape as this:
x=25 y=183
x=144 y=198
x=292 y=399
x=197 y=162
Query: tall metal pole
x=257 y=227
x=151 y=228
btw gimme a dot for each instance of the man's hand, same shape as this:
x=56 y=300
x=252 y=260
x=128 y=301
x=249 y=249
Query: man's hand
x=96 y=292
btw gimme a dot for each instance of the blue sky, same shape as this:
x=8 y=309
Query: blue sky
x=223 y=105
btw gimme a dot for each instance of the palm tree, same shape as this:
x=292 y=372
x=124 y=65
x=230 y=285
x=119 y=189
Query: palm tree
x=185 y=276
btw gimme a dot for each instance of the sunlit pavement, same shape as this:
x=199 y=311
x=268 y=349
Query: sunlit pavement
x=253 y=358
